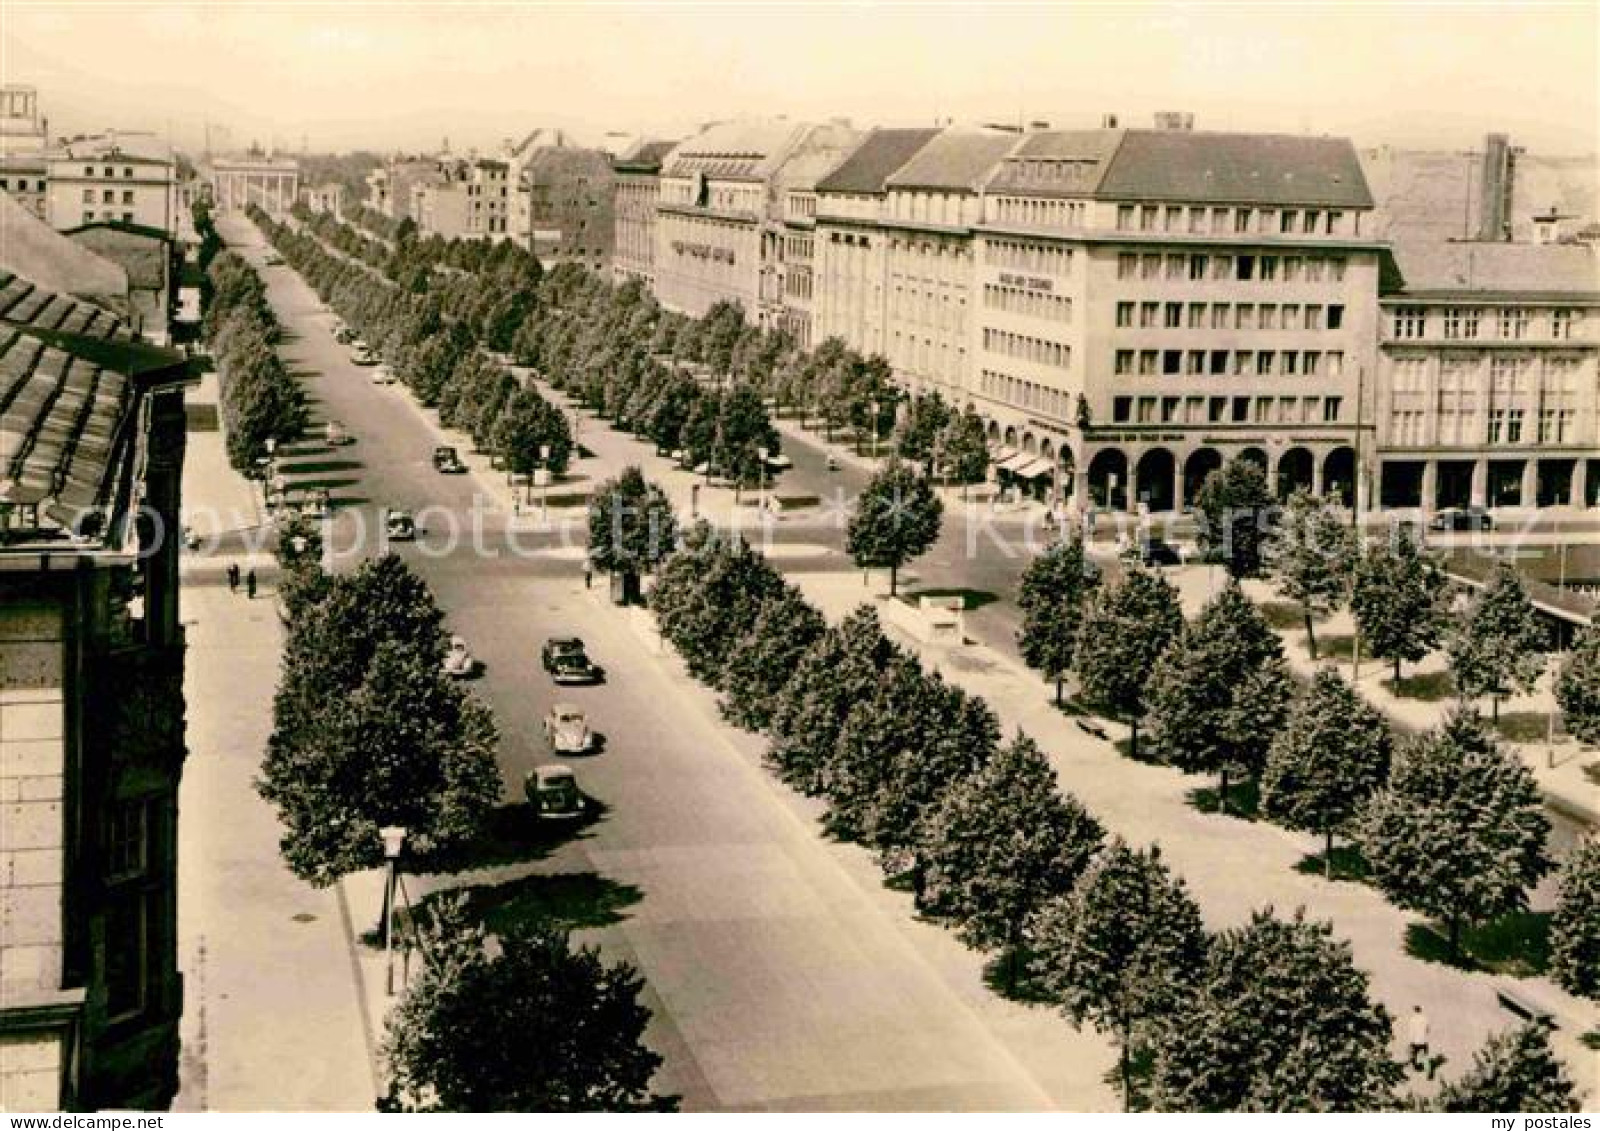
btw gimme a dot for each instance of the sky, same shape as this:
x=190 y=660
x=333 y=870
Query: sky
x=393 y=76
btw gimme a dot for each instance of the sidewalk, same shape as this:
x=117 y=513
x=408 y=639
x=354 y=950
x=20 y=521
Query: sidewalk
x=272 y=1020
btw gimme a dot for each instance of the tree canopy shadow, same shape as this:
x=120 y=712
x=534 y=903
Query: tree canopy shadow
x=1335 y=646
x=970 y=598
x=571 y=900
x=1517 y=944
x=1007 y=975
x=1429 y=687
x=512 y=834
x=1348 y=864
x=1524 y=726
x=311 y=467
x=1243 y=800
x=1285 y=615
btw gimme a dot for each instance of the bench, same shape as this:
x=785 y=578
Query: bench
x=1518 y=1001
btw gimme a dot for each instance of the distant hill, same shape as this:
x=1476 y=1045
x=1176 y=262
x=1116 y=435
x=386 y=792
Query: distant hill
x=1433 y=194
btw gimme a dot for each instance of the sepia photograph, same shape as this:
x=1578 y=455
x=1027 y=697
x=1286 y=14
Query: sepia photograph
x=872 y=558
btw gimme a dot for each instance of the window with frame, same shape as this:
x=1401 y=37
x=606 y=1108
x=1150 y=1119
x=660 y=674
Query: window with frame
x=1313 y=316
x=1174 y=313
x=1336 y=317
x=1219 y=363
x=1149 y=313
x=133 y=903
x=1330 y=409
x=1246 y=267
x=1127 y=266
x=1171 y=362
x=1244 y=315
x=1291 y=269
x=1217 y=410
x=1147 y=410
x=1148 y=360
x=1197 y=316
x=1267 y=269
x=1514 y=426
x=1313 y=219
x=1147 y=218
x=1291 y=316
x=1409 y=321
x=1124 y=217
x=1220 y=314
x=1174 y=218
x=1121 y=409
x=1150 y=267
x=1123 y=364
x=1561 y=323
x=1124 y=314
x=1197 y=267
x=1196 y=362
x=1513 y=322
x=1176 y=265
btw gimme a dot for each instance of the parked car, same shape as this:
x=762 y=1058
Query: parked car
x=399 y=525
x=447 y=462
x=274 y=260
x=553 y=792
x=382 y=375
x=458 y=661
x=344 y=335
x=363 y=354
x=567 y=661
x=1152 y=552
x=566 y=728
x=1462 y=518
x=315 y=504
x=335 y=435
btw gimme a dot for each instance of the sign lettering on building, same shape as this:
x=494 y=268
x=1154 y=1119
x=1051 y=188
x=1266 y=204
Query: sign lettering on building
x=1026 y=282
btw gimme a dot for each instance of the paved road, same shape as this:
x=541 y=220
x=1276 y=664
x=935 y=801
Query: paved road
x=782 y=974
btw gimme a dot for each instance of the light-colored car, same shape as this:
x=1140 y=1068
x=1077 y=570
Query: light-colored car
x=382 y=375
x=336 y=435
x=458 y=661
x=566 y=728
x=553 y=792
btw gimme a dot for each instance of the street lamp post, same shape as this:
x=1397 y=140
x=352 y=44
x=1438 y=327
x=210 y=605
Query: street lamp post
x=544 y=483
x=394 y=838
x=874 y=409
x=761 y=454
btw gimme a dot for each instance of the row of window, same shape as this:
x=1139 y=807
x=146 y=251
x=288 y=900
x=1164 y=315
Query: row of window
x=1219 y=363
x=89 y=216
x=1199 y=220
x=1226 y=410
x=1037 y=213
x=1409 y=428
x=798 y=284
x=20 y=186
x=1025 y=394
x=1507 y=373
x=1034 y=304
x=1507 y=322
x=127 y=171
x=1019 y=256
x=1199 y=267
x=1026 y=348
x=1231 y=316
x=108 y=196
x=798 y=247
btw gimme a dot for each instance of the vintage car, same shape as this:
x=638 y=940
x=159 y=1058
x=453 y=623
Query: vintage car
x=1462 y=518
x=335 y=435
x=447 y=461
x=553 y=792
x=458 y=661
x=567 y=661
x=566 y=728
x=399 y=526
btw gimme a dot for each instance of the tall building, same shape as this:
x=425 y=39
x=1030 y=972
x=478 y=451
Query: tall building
x=23 y=141
x=788 y=241
x=1489 y=389
x=1152 y=302
x=470 y=200
x=126 y=177
x=931 y=205
x=637 y=175
x=569 y=194
x=390 y=186
x=709 y=218
x=850 y=267
x=91 y=706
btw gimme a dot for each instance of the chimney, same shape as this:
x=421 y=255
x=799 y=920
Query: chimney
x=1174 y=120
x=1496 y=187
x=1108 y=121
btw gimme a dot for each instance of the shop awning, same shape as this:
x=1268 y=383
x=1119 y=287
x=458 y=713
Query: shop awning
x=1036 y=468
x=1013 y=462
x=999 y=452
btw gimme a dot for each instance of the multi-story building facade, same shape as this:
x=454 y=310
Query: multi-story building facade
x=390 y=187
x=126 y=177
x=569 y=194
x=849 y=264
x=91 y=707
x=636 y=173
x=23 y=141
x=788 y=242
x=930 y=206
x=1489 y=390
x=269 y=182
x=328 y=198
x=471 y=200
x=719 y=221
x=1153 y=302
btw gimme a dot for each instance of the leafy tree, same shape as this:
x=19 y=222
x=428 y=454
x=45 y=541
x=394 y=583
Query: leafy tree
x=518 y=1022
x=1332 y=754
x=406 y=746
x=1121 y=950
x=1055 y=587
x=1398 y=599
x=1126 y=630
x=743 y=431
x=528 y=424
x=838 y=671
x=631 y=525
x=963 y=450
x=927 y=417
x=713 y=591
x=1575 y=926
x=1281 y=1020
x=1578 y=688
x=896 y=519
x=767 y=656
x=1314 y=558
x=1001 y=843
x=1459 y=832
x=1220 y=692
x=1516 y=1070
x=1238 y=507
x=901 y=715
x=1497 y=648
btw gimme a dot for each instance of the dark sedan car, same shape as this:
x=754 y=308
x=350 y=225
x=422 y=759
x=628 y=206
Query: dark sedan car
x=567 y=661
x=1153 y=552
x=1462 y=518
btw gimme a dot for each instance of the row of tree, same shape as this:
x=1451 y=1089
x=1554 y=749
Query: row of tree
x=1273 y=1015
x=435 y=352
x=258 y=398
x=1449 y=823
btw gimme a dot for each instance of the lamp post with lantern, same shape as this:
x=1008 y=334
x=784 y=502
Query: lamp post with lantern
x=394 y=839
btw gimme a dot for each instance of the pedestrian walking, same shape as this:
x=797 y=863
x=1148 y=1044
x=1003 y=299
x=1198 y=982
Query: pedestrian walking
x=1417 y=1039
x=233 y=577
x=588 y=574
x=250 y=585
